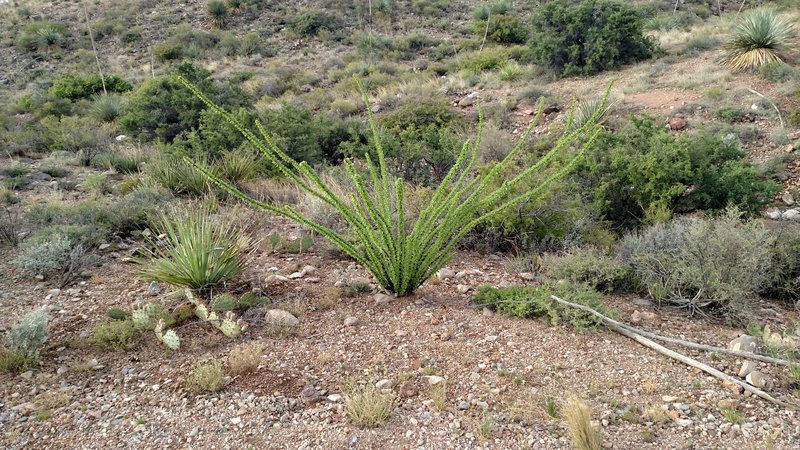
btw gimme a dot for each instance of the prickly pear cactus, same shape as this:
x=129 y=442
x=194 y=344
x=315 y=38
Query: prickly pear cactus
x=117 y=313
x=169 y=338
x=231 y=326
x=224 y=302
x=141 y=319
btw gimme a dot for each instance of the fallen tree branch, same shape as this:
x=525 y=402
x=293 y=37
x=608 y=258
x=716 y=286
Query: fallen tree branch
x=615 y=326
x=780 y=118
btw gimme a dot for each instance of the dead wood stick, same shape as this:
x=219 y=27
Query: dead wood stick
x=613 y=325
x=697 y=346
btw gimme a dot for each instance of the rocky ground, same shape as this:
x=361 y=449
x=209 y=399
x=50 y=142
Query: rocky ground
x=462 y=377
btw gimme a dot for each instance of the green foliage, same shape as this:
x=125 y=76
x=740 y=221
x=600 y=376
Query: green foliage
x=114 y=335
x=643 y=173
x=778 y=72
x=11 y=362
x=76 y=87
x=29 y=334
x=41 y=36
x=730 y=114
x=709 y=265
x=162 y=108
x=499 y=7
x=586 y=265
x=58 y=258
x=535 y=301
x=503 y=29
x=207 y=377
x=106 y=108
x=309 y=23
x=759 y=37
x=402 y=253
x=217 y=12
x=590 y=36
x=117 y=313
x=488 y=59
x=429 y=7
x=783 y=279
x=224 y=302
x=201 y=252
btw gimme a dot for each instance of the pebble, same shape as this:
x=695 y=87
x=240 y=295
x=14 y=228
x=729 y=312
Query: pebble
x=462 y=405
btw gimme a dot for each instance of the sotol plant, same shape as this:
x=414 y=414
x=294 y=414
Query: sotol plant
x=758 y=39
x=399 y=252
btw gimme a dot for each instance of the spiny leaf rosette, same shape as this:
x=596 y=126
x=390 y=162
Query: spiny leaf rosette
x=402 y=253
x=758 y=39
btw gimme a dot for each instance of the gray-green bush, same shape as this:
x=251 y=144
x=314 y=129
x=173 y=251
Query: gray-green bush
x=29 y=334
x=707 y=265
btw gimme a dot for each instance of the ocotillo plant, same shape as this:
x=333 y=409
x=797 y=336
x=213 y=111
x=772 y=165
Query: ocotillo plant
x=401 y=253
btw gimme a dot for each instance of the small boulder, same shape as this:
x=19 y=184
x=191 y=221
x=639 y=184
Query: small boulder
x=747 y=368
x=757 y=379
x=788 y=198
x=527 y=276
x=350 y=321
x=282 y=318
x=310 y=395
x=463 y=288
x=677 y=123
x=433 y=380
x=445 y=273
x=382 y=299
x=744 y=343
x=791 y=214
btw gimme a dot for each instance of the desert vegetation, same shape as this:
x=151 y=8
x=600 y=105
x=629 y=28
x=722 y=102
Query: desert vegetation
x=400 y=223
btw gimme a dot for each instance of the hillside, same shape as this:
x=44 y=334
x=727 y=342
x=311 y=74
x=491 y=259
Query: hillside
x=145 y=305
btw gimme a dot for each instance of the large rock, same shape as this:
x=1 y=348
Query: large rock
x=791 y=214
x=744 y=343
x=382 y=299
x=281 y=318
x=677 y=123
x=757 y=379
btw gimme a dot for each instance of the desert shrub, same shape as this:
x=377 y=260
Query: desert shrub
x=176 y=176
x=42 y=36
x=11 y=362
x=56 y=257
x=10 y=222
x=783 y=279
x=420 y=139
x=759 y=37
x=97 y=184
x=730 y=114
x=489 y=59
x=114 y=335
x=162 y=108
x=309 y=23
x=169 y=51
x=794 y=118
x=76 y=87
x=201 y=251
x=503 y=29
x=643 y=173
x=29 y=334
x=499 y=7
x=778 y=72
x=587 y=265
x=245 y=358
x=429 y=7
x=217 y=12
x=590 y=36
x=250 y=44
x=535 y=301
x=207 y=377
x=82 y=136
x=127 y=161
x=401 y=260
x=228 y=44
x=106 y=108
x=708 y=265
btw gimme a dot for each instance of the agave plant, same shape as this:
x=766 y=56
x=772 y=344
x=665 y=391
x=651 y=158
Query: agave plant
x=759 y=38
x=199 y=251
x=217 y=13
x=399 y=250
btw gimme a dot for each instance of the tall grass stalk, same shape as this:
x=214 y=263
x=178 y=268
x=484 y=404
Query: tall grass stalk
x=399 y=252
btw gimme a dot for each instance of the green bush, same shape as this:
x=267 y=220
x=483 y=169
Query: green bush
x=503 y=29
x=114 y=335
x=535 y=301
x=783 y=279
x=590 y=36
x=309 y=23
x=217 y=12
x=730 y=114
x=644 y=173
x=207 y=377
x=75 y=87
x=711 y=265
x=586 y=265
x=401 y=260
x=29 y=334
x=162 y=108
x=42 y=36
x=201 y=251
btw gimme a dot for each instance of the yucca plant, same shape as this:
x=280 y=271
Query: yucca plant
x=401 y=253
x=201 y=252
x=595 y=109
x=106 y=108
x=217 y=13
x=758 y=38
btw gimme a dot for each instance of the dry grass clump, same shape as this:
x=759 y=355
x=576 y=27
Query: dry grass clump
x=368 y=407
x=578 y=415
x=245 y=358
x=207 y=377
